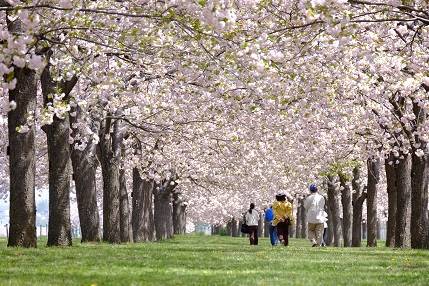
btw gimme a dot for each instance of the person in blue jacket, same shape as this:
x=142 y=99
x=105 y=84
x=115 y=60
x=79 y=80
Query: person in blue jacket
x=269 y=216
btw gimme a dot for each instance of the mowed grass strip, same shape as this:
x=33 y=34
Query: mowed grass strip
x=211 y=260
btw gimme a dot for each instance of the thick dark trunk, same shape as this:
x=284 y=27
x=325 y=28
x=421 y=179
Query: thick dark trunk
x=59 y=233
x=303 y=221
x=260 y=226
x=235 y=230
x=334 y=206
x=298 y=220
x=110 y=154
x=346 y=201
x=359 y=197
x=266 y=228
x=330 y=235
x=179 y=216
x=163 y=214
x=22 y=211
x=419 y=200
x=391 y=202
x=403 y=208
x=142 y=213
x=419 y=186
x=124 y=209
x=373 y=165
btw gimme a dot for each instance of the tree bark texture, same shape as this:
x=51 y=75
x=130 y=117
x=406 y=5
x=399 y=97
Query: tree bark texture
x=22 y=208
x=346 y=201
x=179 y=216
x=359 y=196
x=142 y=213
x=298 y=220
x=391 y=202
x=403 y=197
x=60 y=169
x=163 y=214
x=373 y=165
x=124 y=209
x=334 y=206
x=304 y=226
x=110 y=154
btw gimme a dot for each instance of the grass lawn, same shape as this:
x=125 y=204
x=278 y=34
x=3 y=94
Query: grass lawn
x=216 y=260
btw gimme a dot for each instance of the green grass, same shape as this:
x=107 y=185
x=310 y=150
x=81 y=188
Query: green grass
x=217 y=260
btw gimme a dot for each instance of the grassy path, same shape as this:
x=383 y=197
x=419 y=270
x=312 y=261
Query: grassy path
x=201 y=260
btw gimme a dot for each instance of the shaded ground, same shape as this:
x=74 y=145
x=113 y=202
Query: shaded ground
x=205 y=260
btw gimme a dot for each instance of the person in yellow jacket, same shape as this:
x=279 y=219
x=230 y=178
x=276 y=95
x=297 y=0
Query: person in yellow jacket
x=283 y=217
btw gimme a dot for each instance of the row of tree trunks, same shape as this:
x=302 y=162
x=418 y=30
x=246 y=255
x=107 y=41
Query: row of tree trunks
x=346 y=201
x=334 y=206
x=85 y=165
x=373 y=165
x=359 y=196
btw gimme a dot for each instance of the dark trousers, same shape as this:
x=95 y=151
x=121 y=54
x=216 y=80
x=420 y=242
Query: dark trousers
x=253 y=234
x=283 y=232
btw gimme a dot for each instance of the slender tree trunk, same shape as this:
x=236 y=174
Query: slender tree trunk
x=298 y=220
x=334 y=206
x=110 y=154
x=260 y=226
x=234 y=231
x=403 y=184
x=359 y=197
x=266 y=228
x=392 y=202
x=124 y=209
x=22 y=212
x=303 y=221
x=371 y=202
x=142 y=215
x=346 y=201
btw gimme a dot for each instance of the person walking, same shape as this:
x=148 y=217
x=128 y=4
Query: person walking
x=252 y=219
x=283 y=217
x=314 y=204
x=269 y=216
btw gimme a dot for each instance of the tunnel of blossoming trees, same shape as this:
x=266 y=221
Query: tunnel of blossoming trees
x=157 y=115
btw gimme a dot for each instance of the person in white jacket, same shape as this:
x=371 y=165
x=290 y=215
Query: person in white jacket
x=316 y=215
x=252 y=219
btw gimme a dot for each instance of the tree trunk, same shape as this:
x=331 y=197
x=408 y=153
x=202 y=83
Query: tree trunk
x=359 y=197
x=334 y=206
x=260 y=226
x=392 y=202
x=266 y=228
x=371 y=202
x=124 y=209
x=58 y=133
x=403 y=184
x=234 y=228
x=142 y=214
x=179 y=215
x=163 y=214
x=419 y=185
x=110 y=154
x=303 y=221
x=346 y=201
x=330 y=230
x=419 y=200
x=298 y=220
x=22 y=209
